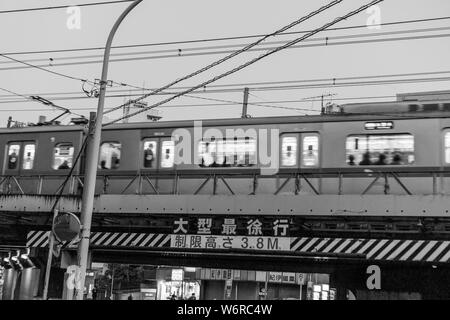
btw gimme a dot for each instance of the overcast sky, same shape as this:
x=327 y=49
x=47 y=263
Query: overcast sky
x=156 y=21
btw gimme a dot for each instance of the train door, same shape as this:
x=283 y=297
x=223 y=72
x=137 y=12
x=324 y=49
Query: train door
x=158 y=153
x=300 y=150
x=158 y=159
x=20 y=157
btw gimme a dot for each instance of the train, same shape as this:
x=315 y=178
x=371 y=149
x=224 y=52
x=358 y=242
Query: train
x=408 y=140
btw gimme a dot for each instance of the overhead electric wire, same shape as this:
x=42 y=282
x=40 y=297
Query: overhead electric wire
x=237 y=103
x=251 y=84
x=331 y=83
x=40 y=100
x=66 y=6
x=222 y=39
x=324 y=42
x=15 y=93
x=327 y=25
x=302 y=46
x=45 y=70
x=238 y=52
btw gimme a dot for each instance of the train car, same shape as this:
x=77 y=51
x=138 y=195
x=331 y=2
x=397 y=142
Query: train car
x=30 y=154
x=390 y=148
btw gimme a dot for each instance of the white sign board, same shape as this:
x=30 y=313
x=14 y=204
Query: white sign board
x=229 y=242
x=177 y=275
x=301 y=278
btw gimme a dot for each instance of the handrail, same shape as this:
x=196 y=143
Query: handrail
x=14 y=184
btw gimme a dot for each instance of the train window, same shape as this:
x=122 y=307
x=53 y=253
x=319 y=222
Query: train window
x=150 y=154
x=207 y=153
x=13 y=155
x=245 y=152
x=167 y=153
x=28 y=156
x=310 y=154
x=431 y=107
x=366 y=150
x=110 y=155
x=289 y=151
x=63 y=156
x=413 y=108
x=447 y=147
x=237 y=152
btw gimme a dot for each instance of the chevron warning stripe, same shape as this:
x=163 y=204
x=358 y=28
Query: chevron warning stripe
x=108 y=239
x=377 y=249
x=373 y=249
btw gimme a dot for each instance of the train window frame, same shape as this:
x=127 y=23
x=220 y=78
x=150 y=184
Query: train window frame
x=155 y=156
x=25 y=144
x=100 y=155
x=18 y=155
x=69 y=165
x=446 y=146
x=302 y=150
x=163 y=152
x=295 y=152
x=252 y=158
x=357 y=161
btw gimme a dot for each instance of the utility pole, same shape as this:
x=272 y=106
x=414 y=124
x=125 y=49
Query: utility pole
x=92 y=159
x=245 y=103
x=48 y=269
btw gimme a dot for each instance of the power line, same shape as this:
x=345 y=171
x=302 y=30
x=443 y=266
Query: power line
x=224 y=38
x=45 y=70
x=242 y=66
x=328 y=80
x=236 y=53
x=41 y=100
x=62 y=7
x=237 y=103
x=330 y=84
x=329 y=44
x=14 y=93
x=183 y=52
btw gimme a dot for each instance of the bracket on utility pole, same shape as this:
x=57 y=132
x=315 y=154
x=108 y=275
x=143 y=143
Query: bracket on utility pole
x=244 y=104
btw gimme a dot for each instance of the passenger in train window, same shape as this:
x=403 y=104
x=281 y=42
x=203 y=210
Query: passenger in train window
x=12 y=160
x=110 y=155
x=207 y=158
x=397 y=160
x=351 y=160
x=64 y=165
x=62 y=156
x=149 y=156
x=381 y=160
x=366 y=160
x=115 y=161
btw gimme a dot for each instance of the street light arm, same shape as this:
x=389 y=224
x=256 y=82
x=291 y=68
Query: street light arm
x=112 y=33
x=92 y=157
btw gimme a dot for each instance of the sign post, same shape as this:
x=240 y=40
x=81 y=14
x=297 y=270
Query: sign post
x=65 y=227
x=49 y=258
x=301 y=281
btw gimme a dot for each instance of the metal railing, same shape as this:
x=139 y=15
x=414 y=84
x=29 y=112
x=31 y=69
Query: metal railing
x=431 y=182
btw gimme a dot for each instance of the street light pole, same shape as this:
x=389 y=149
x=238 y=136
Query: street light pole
x=92 y=160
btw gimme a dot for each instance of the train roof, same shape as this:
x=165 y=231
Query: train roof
x=350 y=112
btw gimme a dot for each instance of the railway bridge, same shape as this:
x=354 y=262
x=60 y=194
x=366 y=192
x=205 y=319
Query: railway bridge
x=293 y=228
